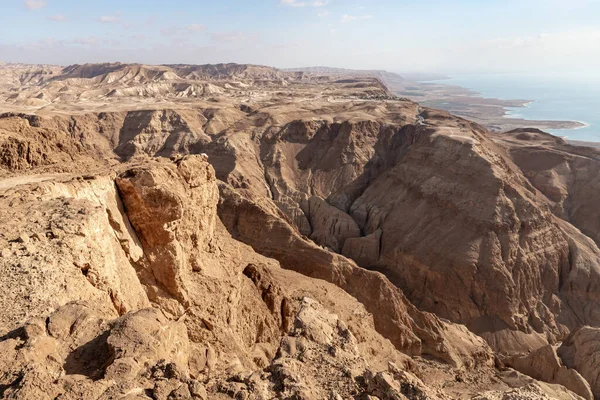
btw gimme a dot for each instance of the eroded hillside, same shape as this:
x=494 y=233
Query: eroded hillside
x=237 y=231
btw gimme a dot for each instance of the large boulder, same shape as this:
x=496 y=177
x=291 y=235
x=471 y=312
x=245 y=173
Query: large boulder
x=581 y=351
x=545 y=365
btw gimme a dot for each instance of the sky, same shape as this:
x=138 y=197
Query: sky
x=428 y=36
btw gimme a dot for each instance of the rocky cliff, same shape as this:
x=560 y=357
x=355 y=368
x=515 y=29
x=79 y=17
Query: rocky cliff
x=286 y=236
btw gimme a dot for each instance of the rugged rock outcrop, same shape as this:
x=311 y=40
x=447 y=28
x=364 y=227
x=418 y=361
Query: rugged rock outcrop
x=28 y=142
x=545 y=365
x=220 y=313
x=569 y=176
x=264 y=227
x=330 y=226
x=69 y=237
x=74 y=354
x=581 y=350
x=452 y=223
x=175 y=236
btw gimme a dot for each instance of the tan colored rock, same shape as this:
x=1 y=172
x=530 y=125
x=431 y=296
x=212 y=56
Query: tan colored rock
x=364 y=250
x=581 y=351
x=146 y=337
x=529 y=392
x=174 y=235
x=496 y=232
x=567 y=175
x=157 y=133
x=544 y=364
x=79 y=248
x=330 y=227
x=395 y=318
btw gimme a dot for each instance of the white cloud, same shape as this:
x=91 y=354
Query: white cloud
x=57 y=18
x=108 y=19
x=297 y=3
x=350 y=18
x=229 y=37
x=323 y=14
x=170 y=31
x=179 y=31
x=84 y=41
x=195 y=28
x=35 y=4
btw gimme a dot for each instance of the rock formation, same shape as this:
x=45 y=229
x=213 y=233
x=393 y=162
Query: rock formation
x=544 y=364
x=304 y=240
x=581 y=350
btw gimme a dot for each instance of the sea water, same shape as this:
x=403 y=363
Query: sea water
x=560 y=97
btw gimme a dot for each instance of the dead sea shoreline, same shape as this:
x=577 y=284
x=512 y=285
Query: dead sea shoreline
x=493 y=113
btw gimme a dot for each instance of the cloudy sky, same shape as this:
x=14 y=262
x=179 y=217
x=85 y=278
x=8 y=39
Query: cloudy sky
x=398 y=35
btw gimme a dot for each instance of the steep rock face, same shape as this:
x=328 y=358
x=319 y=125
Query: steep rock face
x=174 y=235
x=28 y=142
x=364 y=250
x=442 y=211
x=569 y=176
x=264 y=227
x=462 y=232
x=581 y=350
x=544 y=364
x=305 y=158
x=69 y=237
x=330 y=227
x=449 y=218
x=159 y=133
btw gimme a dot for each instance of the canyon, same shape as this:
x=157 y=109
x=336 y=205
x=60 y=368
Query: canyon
x=239 y=231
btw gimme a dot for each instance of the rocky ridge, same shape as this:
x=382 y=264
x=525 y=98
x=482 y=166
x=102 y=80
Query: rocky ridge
x=421 y=254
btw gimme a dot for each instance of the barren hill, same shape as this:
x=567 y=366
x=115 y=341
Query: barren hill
x=236 y=231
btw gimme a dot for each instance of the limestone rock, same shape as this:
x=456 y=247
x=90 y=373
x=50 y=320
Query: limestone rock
x=581 y=351
x=330 y=227
x=173 y=233
x=543 y=364
x=80 y=247
x=122 y=282
x=364 y=250
x=146 y=337
x=395 y=318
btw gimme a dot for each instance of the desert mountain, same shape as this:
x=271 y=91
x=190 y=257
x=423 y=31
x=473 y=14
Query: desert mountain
x=238 y=231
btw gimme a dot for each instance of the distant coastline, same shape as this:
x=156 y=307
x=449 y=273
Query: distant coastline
x=560 y=105
x=496 y=114
x=583 y=143
x=499 y=102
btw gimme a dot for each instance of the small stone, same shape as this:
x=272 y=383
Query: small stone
x=198 y=390
x=181 y=393
x=23 y=238
x=38 y=236
x=335 y=396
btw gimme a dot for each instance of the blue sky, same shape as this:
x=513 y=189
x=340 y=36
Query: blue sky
x=401 y=35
